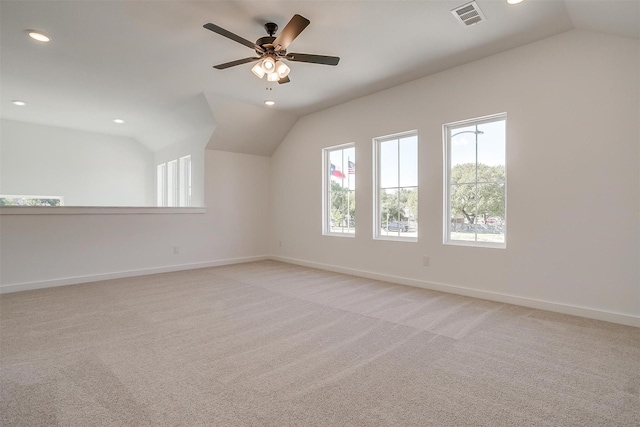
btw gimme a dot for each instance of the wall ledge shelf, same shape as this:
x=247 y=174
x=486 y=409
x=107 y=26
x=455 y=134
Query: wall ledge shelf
x=97 y=210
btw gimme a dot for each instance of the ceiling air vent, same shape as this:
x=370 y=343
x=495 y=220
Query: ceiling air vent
x=468 y=14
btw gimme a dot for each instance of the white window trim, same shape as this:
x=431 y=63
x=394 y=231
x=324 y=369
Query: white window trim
x=376 y=185
x=446 y=131
x=173 y=185
x=161 y=184
x=184 y=181
x=181 y=187
x=326 y=184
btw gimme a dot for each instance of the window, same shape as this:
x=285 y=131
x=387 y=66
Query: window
x=161 y=185
x=21 y=200
x=475 y=182
x=339 y=201
x=396 y=212
x=185 y=181
x=173 y=183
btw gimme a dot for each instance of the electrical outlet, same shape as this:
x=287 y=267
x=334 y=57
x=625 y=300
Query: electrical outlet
x=176 y=249
x=425 y=261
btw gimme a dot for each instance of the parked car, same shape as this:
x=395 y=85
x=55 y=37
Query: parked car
x=396 y=226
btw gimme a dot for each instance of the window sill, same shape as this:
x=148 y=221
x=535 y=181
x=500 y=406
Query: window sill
x=476 y=244
x=96 y=210
x=397 y=239
x=340 y=234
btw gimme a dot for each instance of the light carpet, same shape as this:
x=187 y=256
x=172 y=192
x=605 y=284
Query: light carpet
x=273 y=344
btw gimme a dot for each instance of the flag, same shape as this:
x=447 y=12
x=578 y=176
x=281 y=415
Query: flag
x=335 y=172
x=352 y=167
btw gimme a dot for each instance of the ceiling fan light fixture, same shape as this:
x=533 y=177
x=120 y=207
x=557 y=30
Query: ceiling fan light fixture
x=257 y=70
x=282 y=69
x=268 y=64
x=273 y=77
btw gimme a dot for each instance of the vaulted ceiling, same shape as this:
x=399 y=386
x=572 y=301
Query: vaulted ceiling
x=150 y=62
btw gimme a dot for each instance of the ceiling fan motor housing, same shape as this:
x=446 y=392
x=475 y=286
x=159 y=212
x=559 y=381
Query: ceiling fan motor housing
x=271 y=28
x=266 y=43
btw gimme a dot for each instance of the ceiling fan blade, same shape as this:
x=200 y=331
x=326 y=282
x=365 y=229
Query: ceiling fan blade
x=315 y=59
x=284 y=80
x=234 y=37
x=234 y=63
x=290 y=32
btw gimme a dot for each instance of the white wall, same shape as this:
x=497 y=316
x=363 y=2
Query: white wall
x=86 y=168
x=38 y=250
x=572 y=173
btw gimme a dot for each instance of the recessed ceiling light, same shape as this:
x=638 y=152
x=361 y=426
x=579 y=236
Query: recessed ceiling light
x=37 y=35
x=118 y=121
x=514 y=1
x=269 y=103
x=18 y=103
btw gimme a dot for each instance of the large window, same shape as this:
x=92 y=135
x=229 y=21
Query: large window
x=475 y=182
x=173 y=183
x=339 y=201
x=396 y=213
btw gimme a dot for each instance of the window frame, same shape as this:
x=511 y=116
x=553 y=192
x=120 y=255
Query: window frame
x=447 y=130
x=326 y=188
x=184 y=181
x=174 y=183
x=377 y=235
x=161 y=185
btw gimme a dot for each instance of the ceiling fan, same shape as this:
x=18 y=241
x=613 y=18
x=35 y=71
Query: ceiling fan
x=272 y=50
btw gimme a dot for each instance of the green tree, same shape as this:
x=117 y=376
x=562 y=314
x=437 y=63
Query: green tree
x=484 y=199
x=27 y=201
x=343 y=205
x=399 y=205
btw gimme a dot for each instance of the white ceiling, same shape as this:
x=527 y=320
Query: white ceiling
x=150 y=62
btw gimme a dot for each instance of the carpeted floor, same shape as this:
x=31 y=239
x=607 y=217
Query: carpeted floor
x=273 y=344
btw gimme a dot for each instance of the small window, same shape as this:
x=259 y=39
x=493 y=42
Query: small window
x=185 y=181
x=161 y=185
x=475 y=182
x=396 y=183
x=339 y=199
x=173 y=183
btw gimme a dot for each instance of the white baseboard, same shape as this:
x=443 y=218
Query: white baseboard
x=624 y=319
x=122 y=274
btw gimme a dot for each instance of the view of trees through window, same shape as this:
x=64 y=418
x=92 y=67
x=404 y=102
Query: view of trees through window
x=476 y=192
x=340 y=184
x=397 y=176
x=10 y=200
x=475 y=189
